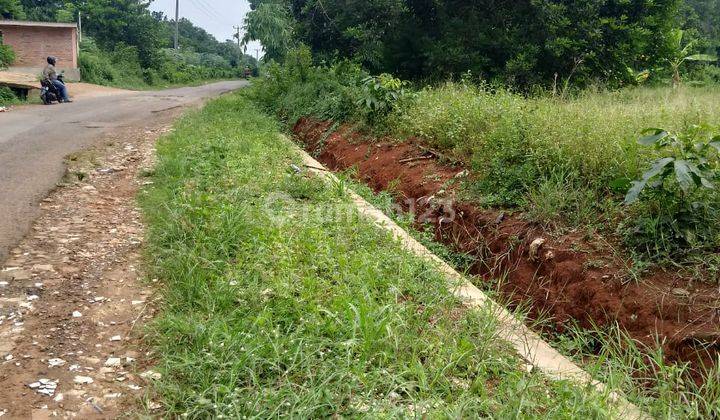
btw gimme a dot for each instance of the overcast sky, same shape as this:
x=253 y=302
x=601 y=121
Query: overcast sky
x=215 y=16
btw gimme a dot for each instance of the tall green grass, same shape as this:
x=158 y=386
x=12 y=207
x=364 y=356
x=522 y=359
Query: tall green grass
x=280 y=300
x=592 y=137
x=661 y=388
x=564 y=162
x=570 y=161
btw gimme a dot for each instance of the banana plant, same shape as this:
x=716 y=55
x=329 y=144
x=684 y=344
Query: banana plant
x=691 y=157
x=683 y=54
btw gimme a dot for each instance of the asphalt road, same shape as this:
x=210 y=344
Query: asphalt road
x=34 y=141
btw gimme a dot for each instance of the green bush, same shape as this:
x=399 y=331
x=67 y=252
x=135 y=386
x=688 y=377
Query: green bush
x=6 y=95
x=381 y=95
x=97 y=68
x=299 y=89
x=123 y=67
x=678 y=209
x=7 y=55
x=705 y=75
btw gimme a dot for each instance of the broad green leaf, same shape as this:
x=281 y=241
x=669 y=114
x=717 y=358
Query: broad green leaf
x=706 y=183
x=638 y=186
x=676 y=36
x=702 y=57
x=657 y=135
x=693 y=168
x=682 y=173
x=699 y=176
x=634 y=193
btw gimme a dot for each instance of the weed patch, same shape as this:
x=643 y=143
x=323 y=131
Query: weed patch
x=273 y=308
x=564 y=162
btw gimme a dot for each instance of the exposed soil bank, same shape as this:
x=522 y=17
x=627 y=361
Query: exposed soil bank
x=567 y=278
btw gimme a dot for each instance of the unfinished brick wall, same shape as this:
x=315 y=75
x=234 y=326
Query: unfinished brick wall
x=33 y=45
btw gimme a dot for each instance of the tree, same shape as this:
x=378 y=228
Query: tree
x=682 y=53
x=111 y=22
x=271 y=24
x=11 y=9
x=704 y=17
x=41 y=10
x=68 y=13
x=520 y=42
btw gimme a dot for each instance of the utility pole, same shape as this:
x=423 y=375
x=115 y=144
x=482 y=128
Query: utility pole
x=237 y=35
x=257 y=55
x=79 y=27
x=177 y=24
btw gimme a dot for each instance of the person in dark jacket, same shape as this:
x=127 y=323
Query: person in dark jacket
x=49 y=73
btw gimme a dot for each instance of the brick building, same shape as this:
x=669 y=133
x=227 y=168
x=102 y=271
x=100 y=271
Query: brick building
x=33 y=42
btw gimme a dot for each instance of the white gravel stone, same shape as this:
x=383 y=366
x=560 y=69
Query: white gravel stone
x=113 y=361
x=151 y=374
x=56 y=362
x=82 y=380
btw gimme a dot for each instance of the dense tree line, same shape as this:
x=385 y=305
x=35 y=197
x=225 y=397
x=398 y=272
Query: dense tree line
x=130 y=22
x=126 y=33
x=703 y=17
x=521 y=42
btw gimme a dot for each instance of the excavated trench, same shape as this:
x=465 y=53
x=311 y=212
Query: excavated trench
x=565 y=279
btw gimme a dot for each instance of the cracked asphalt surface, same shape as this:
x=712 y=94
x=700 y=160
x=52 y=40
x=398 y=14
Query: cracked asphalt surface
x=34 y=141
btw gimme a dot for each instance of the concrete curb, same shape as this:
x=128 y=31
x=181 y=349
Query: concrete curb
x=527 y=343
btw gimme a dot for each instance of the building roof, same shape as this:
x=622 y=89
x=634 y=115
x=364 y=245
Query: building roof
x=37 y=24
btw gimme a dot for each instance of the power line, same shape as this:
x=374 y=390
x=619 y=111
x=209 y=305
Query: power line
x=209 y=11
x=204 y=11
x=211 y=8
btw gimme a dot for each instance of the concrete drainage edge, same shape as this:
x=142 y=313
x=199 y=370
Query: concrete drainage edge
x=527 y=343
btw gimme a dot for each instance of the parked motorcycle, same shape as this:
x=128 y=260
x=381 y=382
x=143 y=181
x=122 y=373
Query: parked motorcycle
x=49 y=93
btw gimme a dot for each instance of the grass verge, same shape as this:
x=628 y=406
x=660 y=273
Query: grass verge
x=657 y=386
x=565 y=163
x=281 y=300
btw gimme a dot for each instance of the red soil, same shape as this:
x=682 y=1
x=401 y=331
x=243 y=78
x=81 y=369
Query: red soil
x=568 y=278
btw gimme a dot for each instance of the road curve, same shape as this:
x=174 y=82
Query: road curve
x=34 y=141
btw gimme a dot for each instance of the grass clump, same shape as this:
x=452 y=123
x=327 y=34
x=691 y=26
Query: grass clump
x=299 y=89
x=7 y=55
x=7 y=96
x=281 y=300
x=664 y=390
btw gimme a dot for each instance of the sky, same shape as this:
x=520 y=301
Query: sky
x=215 y=16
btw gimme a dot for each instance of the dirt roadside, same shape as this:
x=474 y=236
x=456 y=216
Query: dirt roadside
x=72 y=298
x=567 y=279
x=88 y=90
